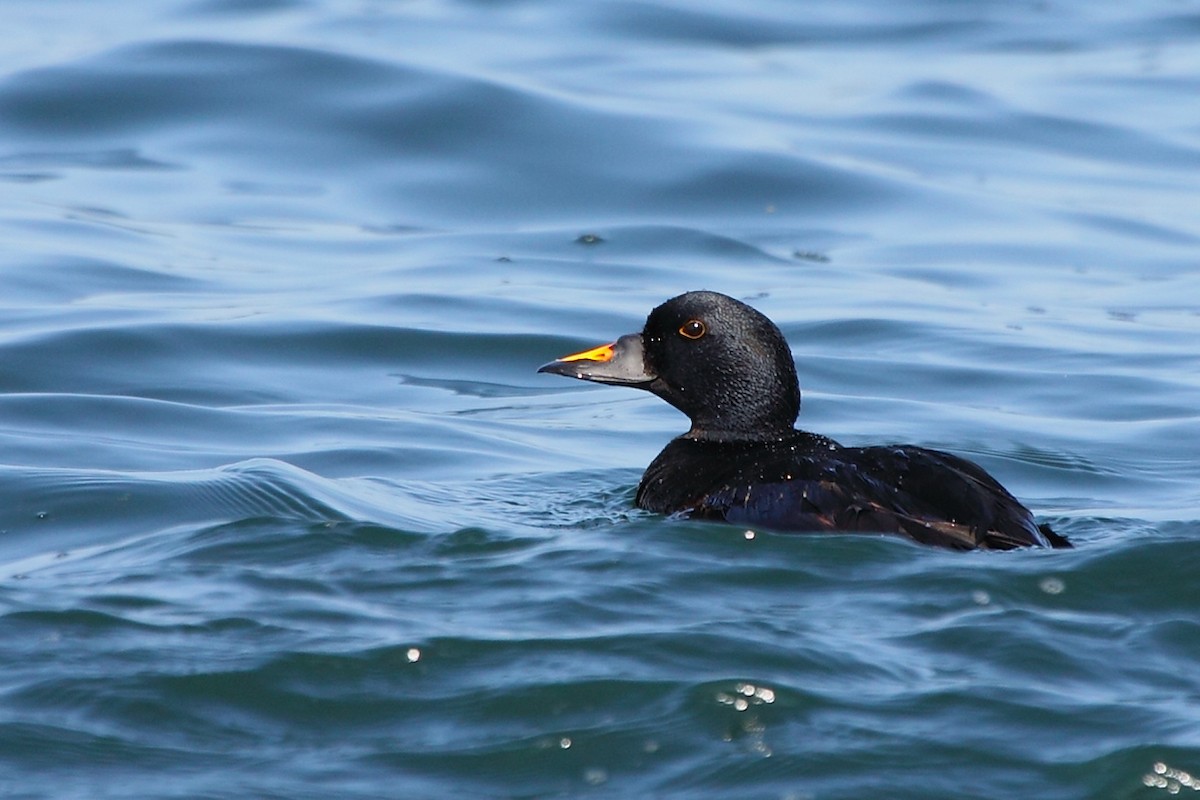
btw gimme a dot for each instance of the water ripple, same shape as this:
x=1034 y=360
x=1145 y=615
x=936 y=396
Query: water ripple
x=286 y=510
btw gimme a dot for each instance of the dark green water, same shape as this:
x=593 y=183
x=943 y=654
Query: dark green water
x=285 y=511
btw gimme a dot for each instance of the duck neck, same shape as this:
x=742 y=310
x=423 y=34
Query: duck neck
x=708 y=433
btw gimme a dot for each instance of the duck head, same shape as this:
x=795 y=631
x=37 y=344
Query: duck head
x=716 y=359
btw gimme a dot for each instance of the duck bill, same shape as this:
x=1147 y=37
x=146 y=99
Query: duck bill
x=623 y=363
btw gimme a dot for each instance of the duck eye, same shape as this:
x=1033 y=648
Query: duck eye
x=693 y=329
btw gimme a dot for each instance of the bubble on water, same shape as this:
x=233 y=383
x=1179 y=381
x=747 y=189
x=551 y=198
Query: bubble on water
x=980 y=597
x=1052 y=585
x=746 y=695
x=413 y=655
x=1173 y=780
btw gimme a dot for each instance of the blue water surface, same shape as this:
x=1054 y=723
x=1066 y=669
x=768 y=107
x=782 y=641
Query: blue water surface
x=286 y=512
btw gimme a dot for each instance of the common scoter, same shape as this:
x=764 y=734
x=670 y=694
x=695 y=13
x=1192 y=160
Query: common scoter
x=728 y=368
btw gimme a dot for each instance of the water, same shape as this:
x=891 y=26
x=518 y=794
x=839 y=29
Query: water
x=285 y=510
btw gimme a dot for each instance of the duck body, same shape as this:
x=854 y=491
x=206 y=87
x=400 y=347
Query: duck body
x=730 y=370
x=808 y=483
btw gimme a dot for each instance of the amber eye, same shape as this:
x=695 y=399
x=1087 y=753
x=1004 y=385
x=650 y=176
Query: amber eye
x=693 y=329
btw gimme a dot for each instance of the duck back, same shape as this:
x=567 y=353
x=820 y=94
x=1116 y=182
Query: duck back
x=808 y=483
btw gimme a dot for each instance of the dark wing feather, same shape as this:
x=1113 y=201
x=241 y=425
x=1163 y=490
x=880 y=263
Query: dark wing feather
x=826 y=506
x=932 y=497
x=938 y=485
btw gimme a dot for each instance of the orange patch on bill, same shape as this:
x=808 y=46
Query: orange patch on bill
x=602 y=353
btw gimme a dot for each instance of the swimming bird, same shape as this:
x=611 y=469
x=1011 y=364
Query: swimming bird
x=729 y=369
